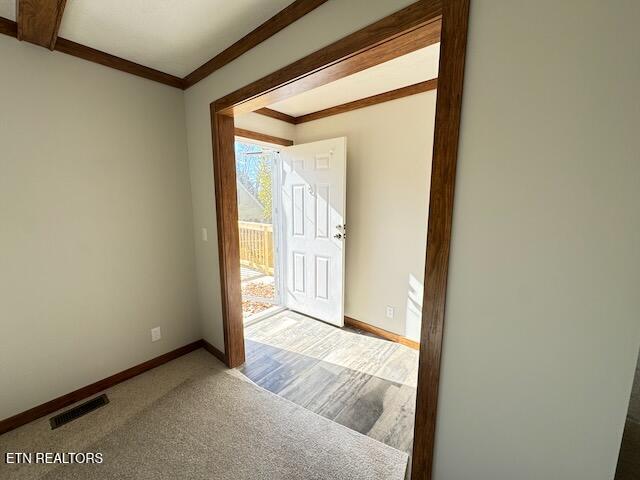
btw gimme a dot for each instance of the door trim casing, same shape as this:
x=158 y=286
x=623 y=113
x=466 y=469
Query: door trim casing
x=420 y=24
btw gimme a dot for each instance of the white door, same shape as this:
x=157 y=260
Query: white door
x=313 y=223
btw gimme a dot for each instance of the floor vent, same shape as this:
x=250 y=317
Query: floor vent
x=80 y=410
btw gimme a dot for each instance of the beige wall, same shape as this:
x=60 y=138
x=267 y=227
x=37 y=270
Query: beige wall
x=263 y=124
x=388 y=174
x=542 y=333
x=542 y=327
x=542 y=330
x=326 y=24
x=388 y=171
x=96 y=232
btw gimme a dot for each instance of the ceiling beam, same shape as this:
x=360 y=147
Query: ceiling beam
x=45 y=15
x=39 y=21
x=262 y=137
x=96 y=56
x=282 y=19
x=354 y=105
x=369 y=101
x=9 y=27
x=414 y=27
x=267 y=112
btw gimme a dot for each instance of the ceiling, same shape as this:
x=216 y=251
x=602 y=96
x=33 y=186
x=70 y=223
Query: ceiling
x=415 y=67
x=173 y=36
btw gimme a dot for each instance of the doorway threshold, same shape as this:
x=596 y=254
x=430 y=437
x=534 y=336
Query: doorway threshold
x=264 y=314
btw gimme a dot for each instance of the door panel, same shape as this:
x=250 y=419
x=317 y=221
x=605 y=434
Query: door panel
x=314 y=207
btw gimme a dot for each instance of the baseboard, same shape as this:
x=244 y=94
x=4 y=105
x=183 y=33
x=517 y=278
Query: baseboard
x=84 y=392
x=214 y=351
x=394 y=337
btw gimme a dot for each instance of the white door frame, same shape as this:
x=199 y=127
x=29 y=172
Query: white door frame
x=278 y=229
x=276 y=222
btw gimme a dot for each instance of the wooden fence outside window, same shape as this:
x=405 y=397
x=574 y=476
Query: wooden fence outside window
x=256 y=246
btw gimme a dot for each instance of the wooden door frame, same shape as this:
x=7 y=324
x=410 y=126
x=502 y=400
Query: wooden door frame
x=422 y=23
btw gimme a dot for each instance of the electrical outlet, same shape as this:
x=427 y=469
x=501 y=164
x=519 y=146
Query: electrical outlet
x=156 y=334
x=389 y=311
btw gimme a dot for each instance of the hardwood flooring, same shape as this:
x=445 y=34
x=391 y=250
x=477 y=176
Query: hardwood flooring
x=358 y=380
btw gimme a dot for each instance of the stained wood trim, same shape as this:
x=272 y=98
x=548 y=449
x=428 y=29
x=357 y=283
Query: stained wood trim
x=328 y=64
x=443 y=176
x=42 y=16
x=214 y=351
x=369 y=101
x=356 y=104
x=8 y=27
x=386 y=334
x=282 y=19
x=277 y=115
x=401 y=45
x=84 y=392
x=224 y=170
x=262 y=137
x=413 y=27
x=39 y=21
x=416 y=26
x=96 y=56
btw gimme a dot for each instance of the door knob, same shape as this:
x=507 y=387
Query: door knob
x=338 y=236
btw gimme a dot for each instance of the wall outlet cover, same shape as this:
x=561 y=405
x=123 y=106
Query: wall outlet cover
x=156 y=334
x=389 y=311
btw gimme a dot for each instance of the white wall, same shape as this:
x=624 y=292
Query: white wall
x=542 y=310
x=389 y=149
x=96 y=232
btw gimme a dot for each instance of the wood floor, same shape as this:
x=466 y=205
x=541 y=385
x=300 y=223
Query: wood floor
x=360 y=381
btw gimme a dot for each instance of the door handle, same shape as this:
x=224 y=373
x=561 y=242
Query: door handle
x=338 y=236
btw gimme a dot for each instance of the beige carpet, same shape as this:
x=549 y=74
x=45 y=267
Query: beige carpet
x=217 y=426
x=128 y=399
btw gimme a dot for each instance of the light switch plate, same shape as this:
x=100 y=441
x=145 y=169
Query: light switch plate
x=156 y=334
x=389 y=311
